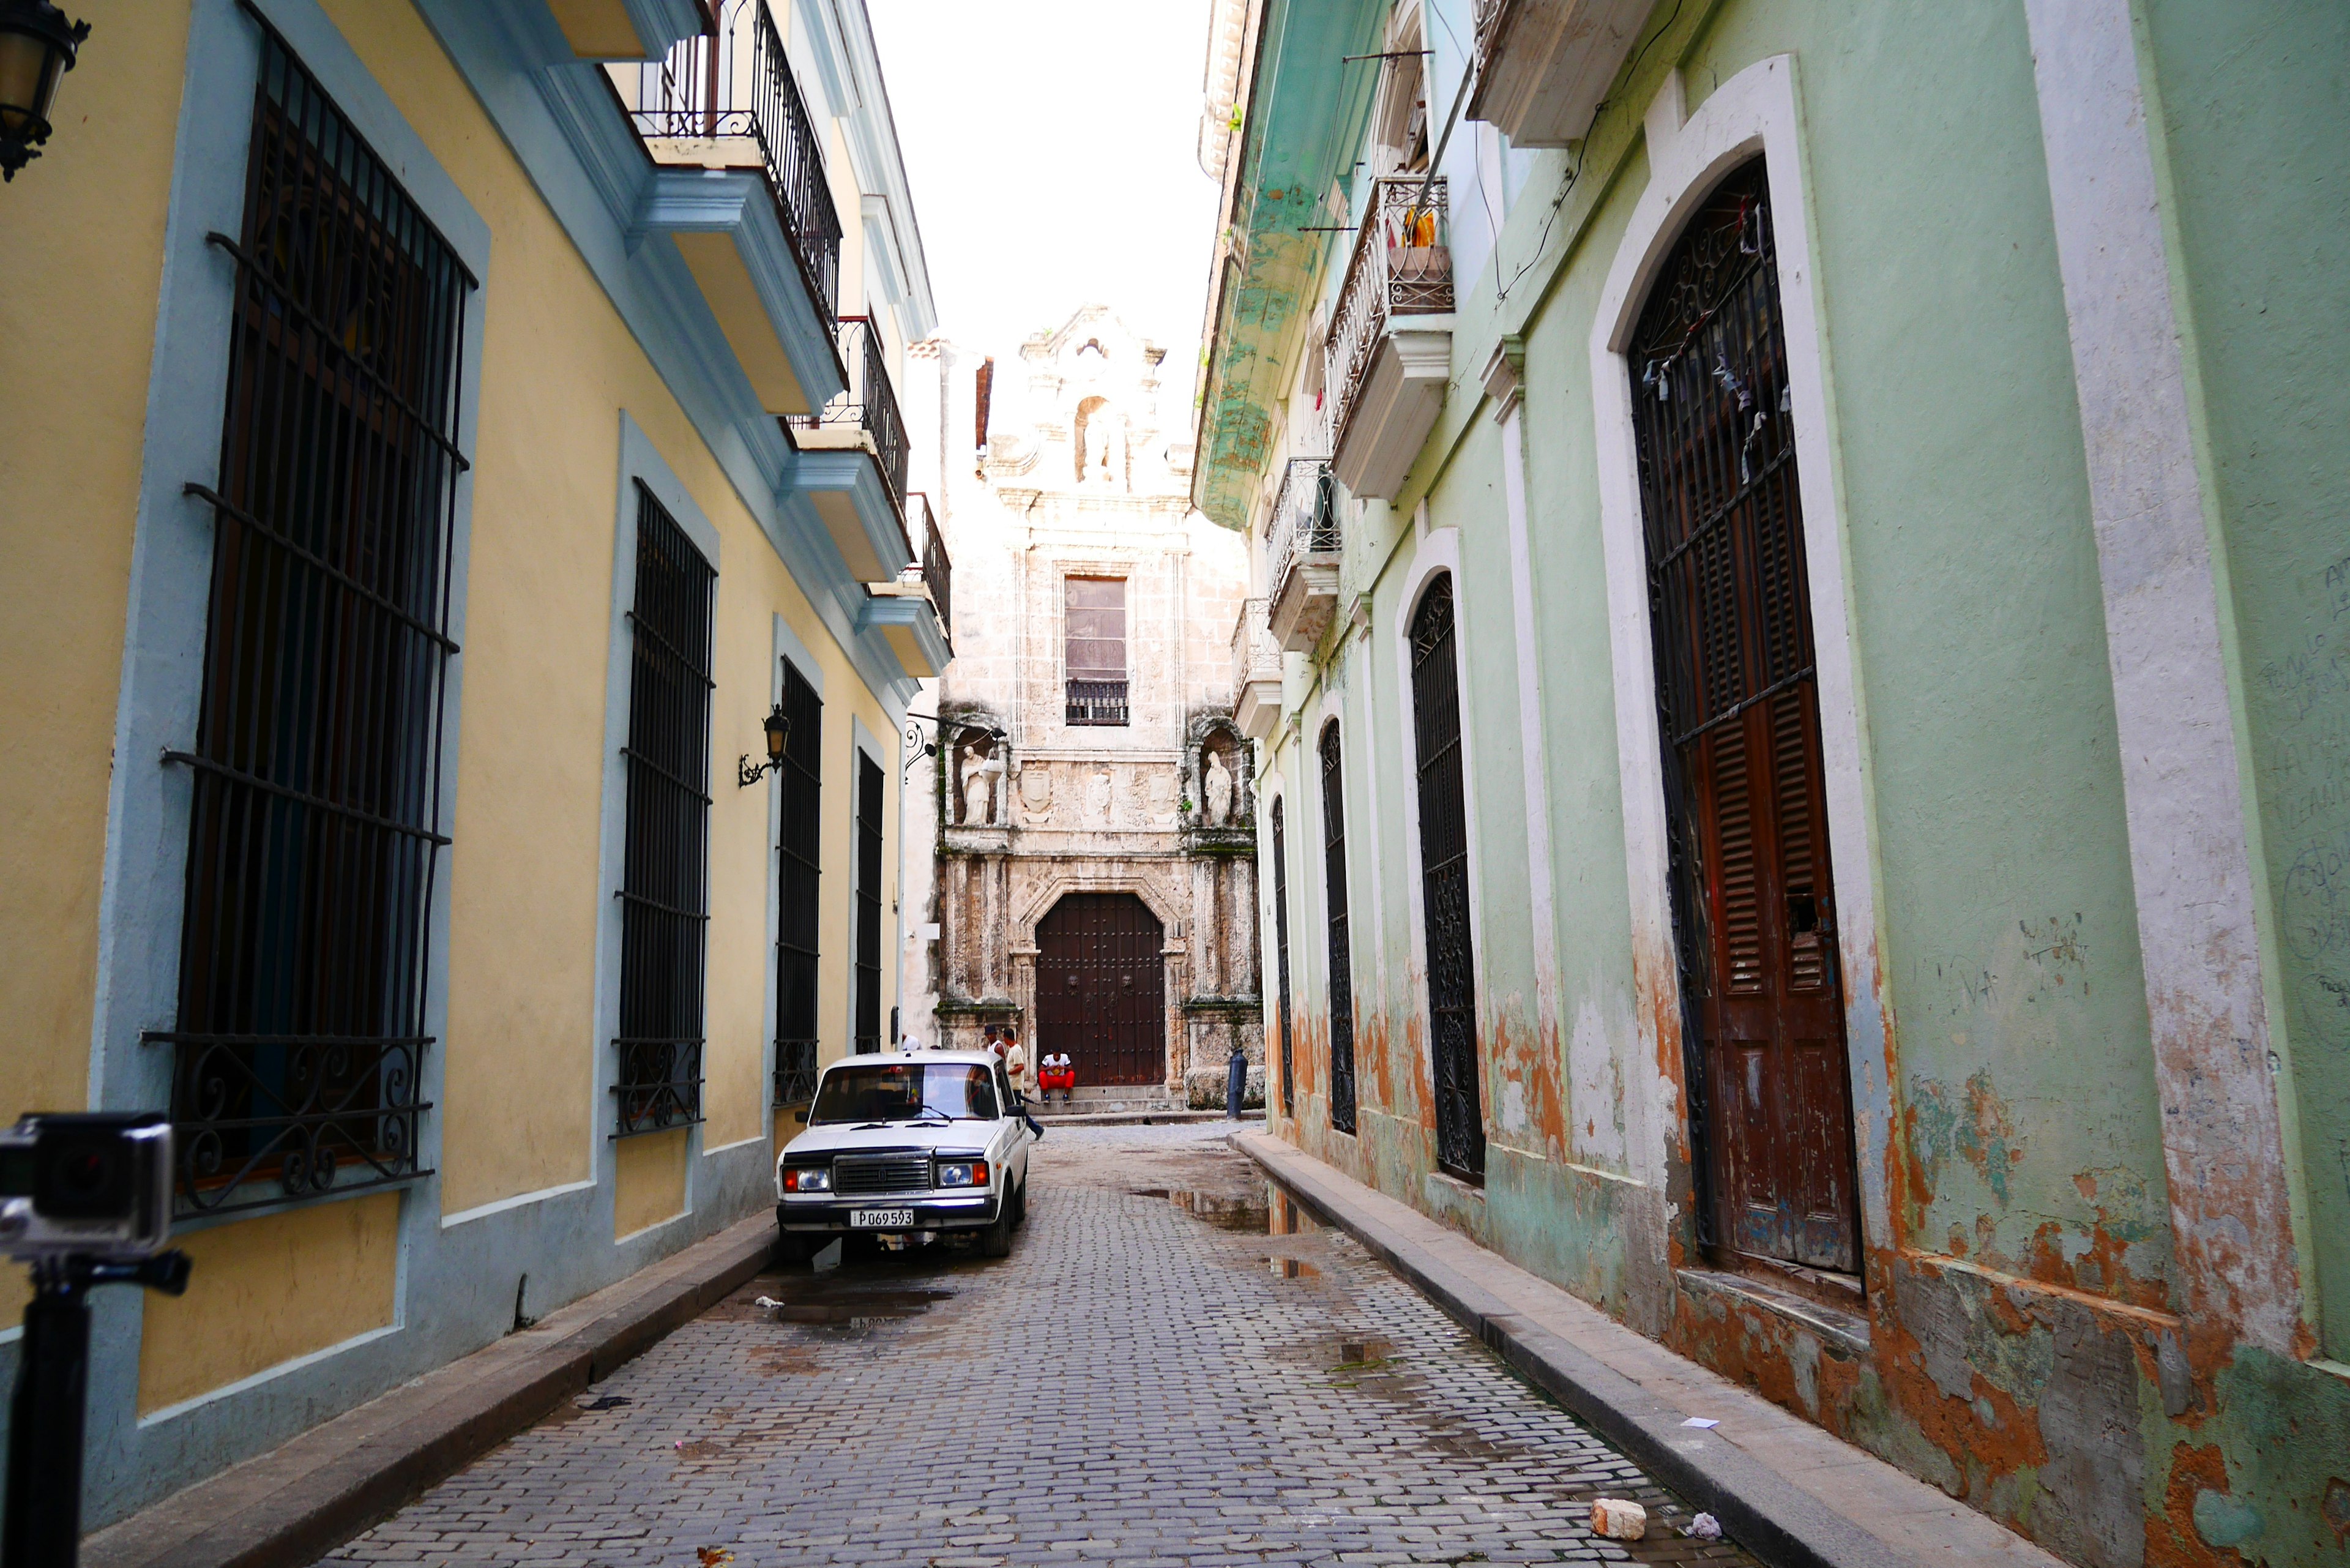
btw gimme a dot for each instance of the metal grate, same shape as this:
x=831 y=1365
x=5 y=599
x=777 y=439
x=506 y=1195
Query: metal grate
x=868 y=904
x=732 y=82
x=799 y=856
x=665 y=886
x=869 y=402
x=1281 y=952
x=1342 y=975
x=936 y=566
x=1304 y=520
x=315 y=789
x=1097 y=702
x=866 y=1176
x=1444 y=883
x=1401 y=266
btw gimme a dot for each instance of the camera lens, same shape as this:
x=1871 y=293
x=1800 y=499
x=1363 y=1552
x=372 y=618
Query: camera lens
x=83 y=1173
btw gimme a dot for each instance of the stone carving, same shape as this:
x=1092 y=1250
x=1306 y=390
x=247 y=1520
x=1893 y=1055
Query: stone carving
x=981 y=769
x=1097 y=800
x=1105 y=459
x=1219 y=789
x=1036 y=792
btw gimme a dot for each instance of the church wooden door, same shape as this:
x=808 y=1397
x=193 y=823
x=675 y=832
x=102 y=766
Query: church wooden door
x=1101 y=989
x=1752 y=896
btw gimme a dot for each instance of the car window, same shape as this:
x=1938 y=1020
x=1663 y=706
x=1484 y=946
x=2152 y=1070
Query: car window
x=900 y=1091
x=1002 y=1087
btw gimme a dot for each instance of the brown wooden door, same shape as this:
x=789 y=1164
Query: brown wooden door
x=1100 y=990
x=1753 y=906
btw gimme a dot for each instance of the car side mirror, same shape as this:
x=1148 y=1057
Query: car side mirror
x=800 y=1116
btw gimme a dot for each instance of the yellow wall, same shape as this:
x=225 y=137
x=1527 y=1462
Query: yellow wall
x=650 y=1184
x=81 y=246
x=559 y=366
x=267 y=1290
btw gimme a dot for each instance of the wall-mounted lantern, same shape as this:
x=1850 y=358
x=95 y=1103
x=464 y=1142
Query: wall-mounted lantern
x=37 y=46
x=779 y=730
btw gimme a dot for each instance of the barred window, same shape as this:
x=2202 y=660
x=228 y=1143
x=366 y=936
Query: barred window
x=798 y=909
x=665 y=882
x=315 y=770
x=1094 y=650
x=868 y=903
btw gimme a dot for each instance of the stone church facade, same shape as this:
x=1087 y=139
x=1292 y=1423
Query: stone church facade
x=1094 y=875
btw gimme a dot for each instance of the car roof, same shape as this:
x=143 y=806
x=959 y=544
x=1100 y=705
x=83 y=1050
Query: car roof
x=928 y=1053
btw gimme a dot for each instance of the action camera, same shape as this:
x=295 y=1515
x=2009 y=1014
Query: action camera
x=93 y=1185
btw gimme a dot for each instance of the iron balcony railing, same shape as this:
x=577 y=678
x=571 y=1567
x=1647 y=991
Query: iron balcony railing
x=1493 y=18
x=1097 y=702
x=1402 y=266
x=869 y=402
x=1255 y=656
x=937 y=570
x=1303 y=521
x=734 y=83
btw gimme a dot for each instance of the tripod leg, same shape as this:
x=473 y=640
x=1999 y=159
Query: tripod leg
x=45 y=1432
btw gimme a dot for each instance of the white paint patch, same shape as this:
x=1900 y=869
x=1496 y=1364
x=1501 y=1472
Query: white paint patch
x=1595 y=1099
x=1514 y=1106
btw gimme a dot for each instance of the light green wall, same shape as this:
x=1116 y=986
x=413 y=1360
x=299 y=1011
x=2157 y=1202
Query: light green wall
x=2261 y=205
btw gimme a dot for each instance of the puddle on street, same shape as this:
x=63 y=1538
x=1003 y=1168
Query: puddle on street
x=1293 y=1269
x=851 y=1297
x=1275 y=1214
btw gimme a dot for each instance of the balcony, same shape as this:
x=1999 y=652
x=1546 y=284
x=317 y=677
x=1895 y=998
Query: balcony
x=1256 y=672
x=1101 y=702
x=1542 y=66
x=1390 y=347
x=727 y=100
x=916 y=613
x=852 y=460
x=1301 y=546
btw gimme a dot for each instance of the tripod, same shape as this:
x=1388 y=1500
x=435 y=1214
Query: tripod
x=44 y=1419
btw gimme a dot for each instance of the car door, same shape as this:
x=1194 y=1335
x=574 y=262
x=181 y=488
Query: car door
x=1015 y=1145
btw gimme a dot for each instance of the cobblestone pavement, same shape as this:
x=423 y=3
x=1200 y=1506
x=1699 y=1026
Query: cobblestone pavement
x=1150 y=1379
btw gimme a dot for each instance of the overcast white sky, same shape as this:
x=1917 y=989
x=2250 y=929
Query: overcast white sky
x=1053 y=150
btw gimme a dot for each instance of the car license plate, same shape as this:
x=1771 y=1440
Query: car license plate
x=881 y=1220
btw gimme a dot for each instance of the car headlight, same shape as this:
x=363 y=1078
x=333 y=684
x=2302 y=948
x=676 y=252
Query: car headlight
x=962 y=1173
x=808 y=1178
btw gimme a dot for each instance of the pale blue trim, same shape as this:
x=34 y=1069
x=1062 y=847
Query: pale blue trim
x=789 y=646
x=885 y=610
x=661 y=22
x=859 y=474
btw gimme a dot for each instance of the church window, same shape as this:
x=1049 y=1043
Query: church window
x=1095 y=650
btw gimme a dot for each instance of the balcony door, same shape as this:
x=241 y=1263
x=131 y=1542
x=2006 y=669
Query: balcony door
x=1753 y=907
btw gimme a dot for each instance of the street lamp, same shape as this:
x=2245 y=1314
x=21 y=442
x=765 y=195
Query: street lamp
x=37 y=46
x=779 y=730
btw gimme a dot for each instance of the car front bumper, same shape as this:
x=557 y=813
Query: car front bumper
x=932 y=1211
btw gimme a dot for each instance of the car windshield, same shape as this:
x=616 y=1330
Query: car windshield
x=900 y=1091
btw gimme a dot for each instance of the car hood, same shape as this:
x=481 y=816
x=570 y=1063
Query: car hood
x=852 y=1138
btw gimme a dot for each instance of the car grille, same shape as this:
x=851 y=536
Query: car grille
x=864 y=1174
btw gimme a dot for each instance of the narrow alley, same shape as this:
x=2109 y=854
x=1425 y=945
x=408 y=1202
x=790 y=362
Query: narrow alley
x=1207 y=1393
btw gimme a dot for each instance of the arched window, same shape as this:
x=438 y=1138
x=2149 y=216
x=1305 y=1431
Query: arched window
x=1739 y=711
x=1334 y=895
x=1444 y=885
x=1281 y=951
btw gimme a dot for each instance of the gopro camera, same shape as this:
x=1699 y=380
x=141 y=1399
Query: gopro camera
x=91 y=1185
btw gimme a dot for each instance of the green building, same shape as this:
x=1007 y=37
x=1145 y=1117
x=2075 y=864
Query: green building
x=1801 y=679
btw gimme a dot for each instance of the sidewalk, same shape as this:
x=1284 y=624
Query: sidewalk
x=287 y=1507
x=1783 y=1489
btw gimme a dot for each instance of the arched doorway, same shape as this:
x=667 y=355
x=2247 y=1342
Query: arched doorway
x=1101 y=993
x=1753 y=903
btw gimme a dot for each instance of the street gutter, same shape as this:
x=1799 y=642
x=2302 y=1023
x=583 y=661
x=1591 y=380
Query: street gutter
x=293 y=1504
x=1555 y=1340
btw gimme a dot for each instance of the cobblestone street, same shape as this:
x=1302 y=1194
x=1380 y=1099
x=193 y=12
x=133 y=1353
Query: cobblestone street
x=1151 y=1378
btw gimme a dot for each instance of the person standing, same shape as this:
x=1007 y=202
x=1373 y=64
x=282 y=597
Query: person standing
x=1016 y=1067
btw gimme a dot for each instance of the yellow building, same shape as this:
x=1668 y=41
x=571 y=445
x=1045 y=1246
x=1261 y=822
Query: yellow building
x=436 y=435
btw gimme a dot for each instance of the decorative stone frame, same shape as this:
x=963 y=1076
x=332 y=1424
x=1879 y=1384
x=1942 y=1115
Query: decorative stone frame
x=1174 y=952
x=1754 y=111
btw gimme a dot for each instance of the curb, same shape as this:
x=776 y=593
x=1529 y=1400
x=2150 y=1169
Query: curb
x=289 y=1506
x=1761 y=1508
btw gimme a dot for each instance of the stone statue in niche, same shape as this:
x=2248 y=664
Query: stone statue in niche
x=981 y=769
x=1097 y=800
x=1217 y=788
x=1104 y=448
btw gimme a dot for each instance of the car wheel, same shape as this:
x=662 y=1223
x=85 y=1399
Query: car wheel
x=995 y=1241
x=1019 y=1206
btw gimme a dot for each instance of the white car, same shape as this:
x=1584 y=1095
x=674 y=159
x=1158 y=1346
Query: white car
x=906 y=1143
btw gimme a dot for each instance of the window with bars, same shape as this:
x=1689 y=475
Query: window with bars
x=1444 y=884
x=798 y=909
x=1281 y=951
x=868 y=903
x=1094 y=650
x=315 y=770
x=665 y=882
x=1334 y=892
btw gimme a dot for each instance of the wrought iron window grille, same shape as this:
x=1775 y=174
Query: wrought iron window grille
x=799 y=912
x=1280 y=954
x=735 y=82
x=665 y=882
x=868 y=904
x=1342 y=978
x=1444 y=885
x=315 y=802
x=1096 y=702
